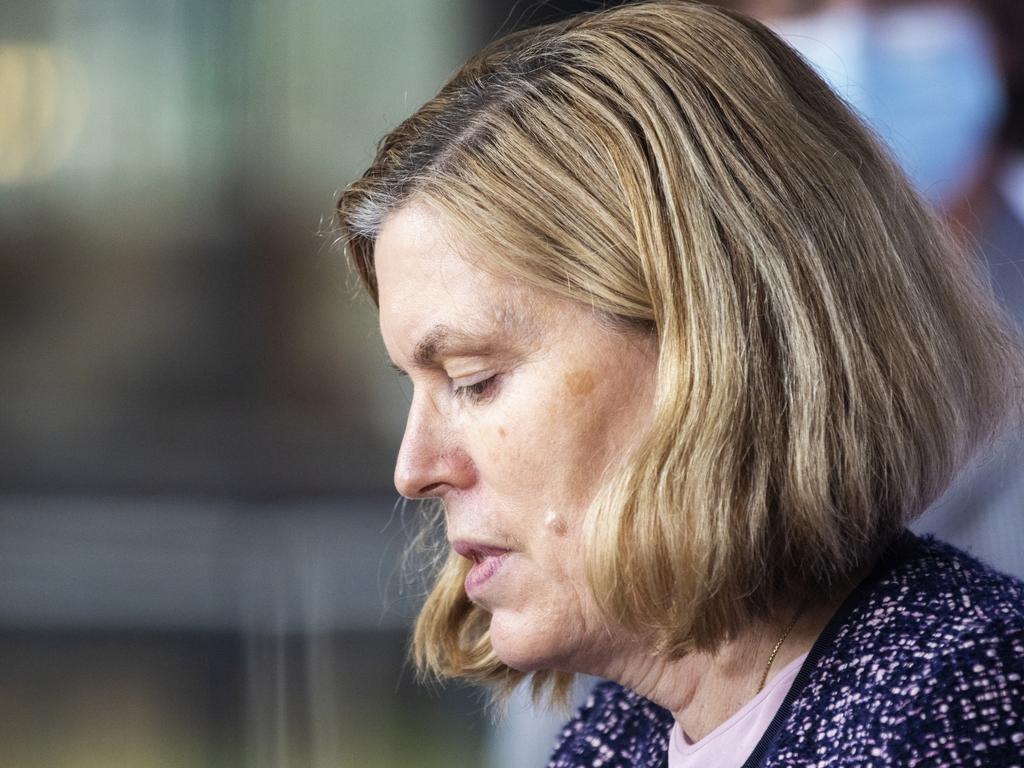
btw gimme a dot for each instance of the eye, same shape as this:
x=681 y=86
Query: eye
x=476 y=391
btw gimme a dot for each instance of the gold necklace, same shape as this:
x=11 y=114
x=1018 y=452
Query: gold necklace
x=775 y=650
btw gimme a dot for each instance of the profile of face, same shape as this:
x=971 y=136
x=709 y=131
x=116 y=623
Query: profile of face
x=521 y=402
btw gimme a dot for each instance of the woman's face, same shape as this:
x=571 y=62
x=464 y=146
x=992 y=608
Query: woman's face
x=520 y=402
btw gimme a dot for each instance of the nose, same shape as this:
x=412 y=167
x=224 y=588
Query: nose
x=430 y=462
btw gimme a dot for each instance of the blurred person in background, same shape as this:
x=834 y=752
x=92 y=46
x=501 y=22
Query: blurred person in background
x=688 y=353
x=942 y=84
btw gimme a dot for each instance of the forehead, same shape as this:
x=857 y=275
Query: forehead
x=424 y=280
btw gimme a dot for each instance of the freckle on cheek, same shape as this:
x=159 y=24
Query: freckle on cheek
x=579 y=383
x=502 y=432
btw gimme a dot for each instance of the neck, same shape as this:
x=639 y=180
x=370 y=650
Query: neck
x=703 y=690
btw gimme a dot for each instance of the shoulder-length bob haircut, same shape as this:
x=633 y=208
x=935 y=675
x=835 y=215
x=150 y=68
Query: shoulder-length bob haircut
x=828 y=357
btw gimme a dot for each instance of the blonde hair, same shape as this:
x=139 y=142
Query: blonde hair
x=828 y=358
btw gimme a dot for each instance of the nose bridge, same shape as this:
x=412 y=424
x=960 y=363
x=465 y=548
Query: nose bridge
x=420 y=458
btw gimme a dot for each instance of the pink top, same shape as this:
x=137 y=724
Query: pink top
x=730 y=744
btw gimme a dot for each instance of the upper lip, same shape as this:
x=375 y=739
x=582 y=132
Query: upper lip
x=476 y=550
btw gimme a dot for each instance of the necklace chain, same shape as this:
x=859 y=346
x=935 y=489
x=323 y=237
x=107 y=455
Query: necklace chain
x=775 y=650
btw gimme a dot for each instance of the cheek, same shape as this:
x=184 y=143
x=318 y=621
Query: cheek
x=585 y=440
x=512 y=443
x=503 y=453
x=548 y=447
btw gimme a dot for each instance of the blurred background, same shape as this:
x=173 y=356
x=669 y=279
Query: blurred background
x=200 y=547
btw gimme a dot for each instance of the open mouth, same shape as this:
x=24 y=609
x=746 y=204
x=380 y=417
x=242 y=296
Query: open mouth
x=487 y=562
x=477 y=552
x=483 y=571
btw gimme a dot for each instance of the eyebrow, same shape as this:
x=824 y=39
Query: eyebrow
x=442 y=339
x=435 y=343
x=439 y=340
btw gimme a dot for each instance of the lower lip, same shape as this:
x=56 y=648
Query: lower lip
x=483 y=572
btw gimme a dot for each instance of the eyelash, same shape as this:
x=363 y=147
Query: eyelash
x=478 y=391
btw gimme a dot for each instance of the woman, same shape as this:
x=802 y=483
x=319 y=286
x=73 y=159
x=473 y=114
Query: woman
x=688 y=353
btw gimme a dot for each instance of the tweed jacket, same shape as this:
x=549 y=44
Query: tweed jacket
x=922 y=665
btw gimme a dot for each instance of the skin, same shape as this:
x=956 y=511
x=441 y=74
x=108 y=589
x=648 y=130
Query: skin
x=515 y=460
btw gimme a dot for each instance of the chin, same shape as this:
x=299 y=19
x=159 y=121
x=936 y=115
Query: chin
x=525 y=648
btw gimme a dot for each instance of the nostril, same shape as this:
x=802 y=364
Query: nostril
x=424 y=471
x=434 y=489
